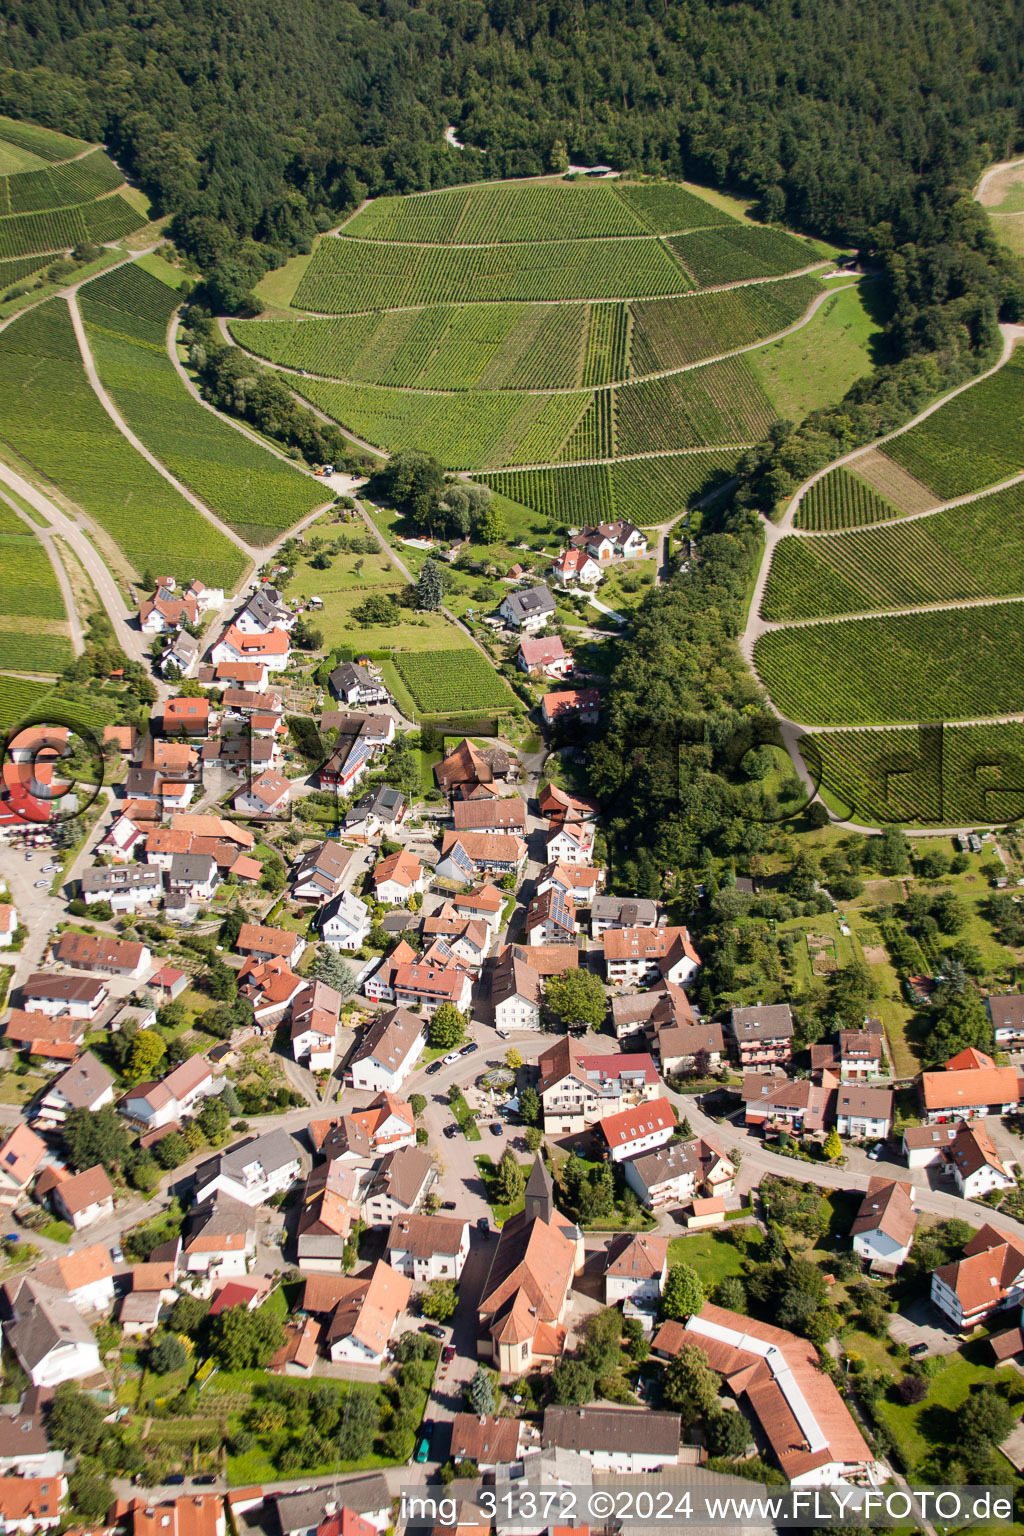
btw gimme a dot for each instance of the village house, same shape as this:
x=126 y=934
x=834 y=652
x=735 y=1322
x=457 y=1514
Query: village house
x=762 y=1035
x=84 y=1277
x=388 y=1051
x=575 y=568
x=125 y=887
x=426 y=1248
x=569 y=842
x=55 y=1040
x=856 y=1055
x=662 y=1006
x=379 y=986
x=263 y=612
x=24 y=1438
x=551 y=919
x=621 y=912
x=971 y=1085
x=267 y=795
x=271 y=650
x=250 y=676
x=483 y=904
x=317 y=1512
x=883 y=1229
x=558 y=805
x=635 y=1272
x=50 y=1340
x=988 y=1279
x=257 y=942
x=320 y=873
x=678 y=1172
x=180 y=1093
x=194 y=1514
x=976 y=1165
x=354 y=684
x=252 y=1172
x=21 y=1155
x=84 y=1197
x=635 y=956
x=315 y=1025
x=220 y=1237
x=271 y=986
x=506 y=813
x=608 y=542
x=811 y=1433
x=397 y=877
x=579 y=883
x=98 y=953
x=681 y=1048
x=186 y=717
x=31 y=1503
x=515 y=993
x=465 y=768
x=425 y=985
x=85 y=1085
x=378 y=813
x=620 y=1440
x=637 y=1129
x=122 y=842
x=527 y=610
x=864 y=1114
x=194 y=876
x=1006 y=1010
x=545 y=657
x=398 y=1186
x=329 y=1209
x=525 y=1297
x=486 y=1441
x=582 y=704
x=386 y=1125
x=166 y=610
x=466 y=856
x=926 y=1145
x=181 y=656
x=772 y=1101
x=344 y=922
x=578 y=1086
x=363 y=1311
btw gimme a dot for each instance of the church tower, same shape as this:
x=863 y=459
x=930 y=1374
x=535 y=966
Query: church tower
x=540 y=1193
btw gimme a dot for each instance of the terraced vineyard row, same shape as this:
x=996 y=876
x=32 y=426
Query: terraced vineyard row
x=720 y=403
x=607 y=353
x=735 y=251
x=19 y=267
x=975 y=550
x=668 y=333
x=594 y=437
x=954 y=664
x=450 y=681
x=646 y=491
x=482 y=346
x=348 y=276
x=26 y=234
x=974 y=441
x=59 y=186
x=501 y=214
x=47 y=143
x=50 y=416
x=254 y=492
x=841 y=500
x=484 y=431
x=665 y=207
x=33 y=623
x=951 y=775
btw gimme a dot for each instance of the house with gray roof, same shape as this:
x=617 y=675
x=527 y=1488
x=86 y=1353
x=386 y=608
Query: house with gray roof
x=50 y=1340
x=300 y=1514
x=193 y=875
x=126 y=887
x=621 y=912
x=529 y=610
x=251 y=1172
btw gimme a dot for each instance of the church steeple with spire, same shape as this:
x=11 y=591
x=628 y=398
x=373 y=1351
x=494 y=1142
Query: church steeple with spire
x=540 y=1193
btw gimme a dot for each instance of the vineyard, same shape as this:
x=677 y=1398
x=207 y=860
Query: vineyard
x=348 y=276
x=485 y=430
x=19 y=697
x=51 y=417
x=734 y=252
x=949 y=665
x=60 y=229
x=59 y=186
x=952 y=775
x=21 y=267
x=33 y=622
x=975 y=550
x=668 y=333
x=126 y=312
x=719 y=403
x=606 y=358
x=46 y=143
x=841 y=500
x=479 y=346
x=593 y=437
x=448 y=682
x=665 y=208
x=973 y=441
x=644 y=491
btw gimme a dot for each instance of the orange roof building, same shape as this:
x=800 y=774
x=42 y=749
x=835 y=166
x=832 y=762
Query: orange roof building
x=989 y=1278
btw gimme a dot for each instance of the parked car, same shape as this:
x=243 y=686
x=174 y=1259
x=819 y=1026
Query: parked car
x=205 y=1479
x=917 y=1350
x=435 y=1066
x=448 y=1205
x=41 y=885
x=450 y=1059
x=175 y=1478
x=483 y=1224
x=877 y=1151
x=434 y=1329
x=467 y=1050
x=117 y=1254
x=423 y=1449
x=495 y=1128
x=448 y=1354
x=450 y=1131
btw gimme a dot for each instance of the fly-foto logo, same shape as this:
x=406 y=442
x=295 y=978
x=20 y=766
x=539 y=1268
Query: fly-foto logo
x=53 y=770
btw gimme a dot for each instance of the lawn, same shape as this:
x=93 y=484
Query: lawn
x=929 y=1427
x=18 y=1090
x=277 y=288
x=464 y=1115
x=824 y=358
x=714 y=1255
x=489 y=1174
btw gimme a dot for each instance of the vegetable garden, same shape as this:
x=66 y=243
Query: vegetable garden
x=950 y=774
x=127 y=312
x=973 y=441
x=447 y=682
x=955 y=664
x=974 y=550
x=841 y=500
x=52 y=418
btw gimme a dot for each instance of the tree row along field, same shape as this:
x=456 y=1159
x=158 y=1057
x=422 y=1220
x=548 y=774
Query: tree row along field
x=109 y=218
x=50 y=416
x=34 y=633
x=59 y=186
x=349 y=276
x=716 y=405
x=943 y=775
x=507 y=213
x=974 y=550
x=529 y=346
x=46 y=143
x=643 y=491
x=957 y=664
x=445 y=682
x=126 y=312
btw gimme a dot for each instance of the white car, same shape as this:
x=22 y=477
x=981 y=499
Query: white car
x=48 y=868
x=452 y=1056
x=42 y=885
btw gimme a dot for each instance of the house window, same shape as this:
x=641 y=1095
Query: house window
x=524 y=1353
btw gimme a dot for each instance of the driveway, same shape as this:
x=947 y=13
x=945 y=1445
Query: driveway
x=919 y=1322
